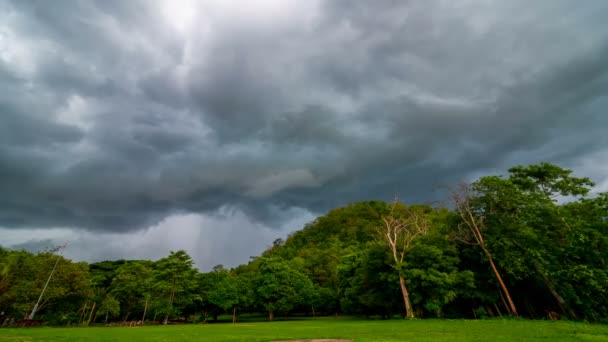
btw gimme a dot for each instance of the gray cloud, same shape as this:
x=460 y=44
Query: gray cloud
x=226 y=237
x=115 y=116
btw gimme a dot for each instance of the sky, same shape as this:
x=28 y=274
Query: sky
x=129 y=129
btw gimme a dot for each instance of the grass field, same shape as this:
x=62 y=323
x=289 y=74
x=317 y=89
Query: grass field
x=357 y=330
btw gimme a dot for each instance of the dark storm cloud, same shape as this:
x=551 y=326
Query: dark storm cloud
x=113 y=117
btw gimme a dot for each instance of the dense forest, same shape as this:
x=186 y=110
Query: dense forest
x=532 y=243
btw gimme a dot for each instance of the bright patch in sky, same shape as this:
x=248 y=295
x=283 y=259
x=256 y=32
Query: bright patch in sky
x=180 y=13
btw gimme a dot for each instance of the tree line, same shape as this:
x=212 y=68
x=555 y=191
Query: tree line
x=533 y=243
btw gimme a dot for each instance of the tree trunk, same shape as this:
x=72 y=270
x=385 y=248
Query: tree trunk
x=462 y=200
x=91 y=313
x=83 y=314
x=504 y=302
x=107 y=313
x=143 y=318
x=270 y=315
x=497 y=310
x=171 y=297
x=530 y=309
x=399 y=233
x=559 y=299
x=503 y=286
x=126 y=316
x=234 y=315
x=313 y=311
x=409 y=313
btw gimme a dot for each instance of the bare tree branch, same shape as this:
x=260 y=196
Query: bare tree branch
x=461 y=199
x=399 y=231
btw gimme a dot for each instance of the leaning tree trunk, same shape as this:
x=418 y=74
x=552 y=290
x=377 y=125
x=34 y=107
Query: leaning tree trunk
x=409 y=313
x=171 y=298
x=92 y=313
x=143 y=318
x=558 y=298
x=475 y=227
x=503 y=286
x=83 y=315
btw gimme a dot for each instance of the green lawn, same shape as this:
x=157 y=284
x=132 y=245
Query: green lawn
x=358 y=330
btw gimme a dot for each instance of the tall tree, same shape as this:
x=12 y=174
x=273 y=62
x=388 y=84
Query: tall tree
x=25 y=274
x=401 y=226
x=541 y=185
x=432 y=267
x=473 y=223
x=175 y=278
x=101 y=276
x=131 y=286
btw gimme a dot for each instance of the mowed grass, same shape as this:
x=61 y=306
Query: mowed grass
x=357 y=330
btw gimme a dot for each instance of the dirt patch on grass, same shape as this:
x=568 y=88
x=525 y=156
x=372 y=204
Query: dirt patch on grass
x=315 y=340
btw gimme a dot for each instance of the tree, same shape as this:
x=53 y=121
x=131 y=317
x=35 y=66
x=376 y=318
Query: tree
x=474 y=226
x=368 y=283
x=280 y=288
x=101 y=276
x=245 y=284
x=401 y=226
x=109 y=307
x=550 y=180
x=24 y=275
x=432 y=268
x=562 y=240
x=174 y=278
x=221 y=290
x=132 y=288
x=524 y=226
